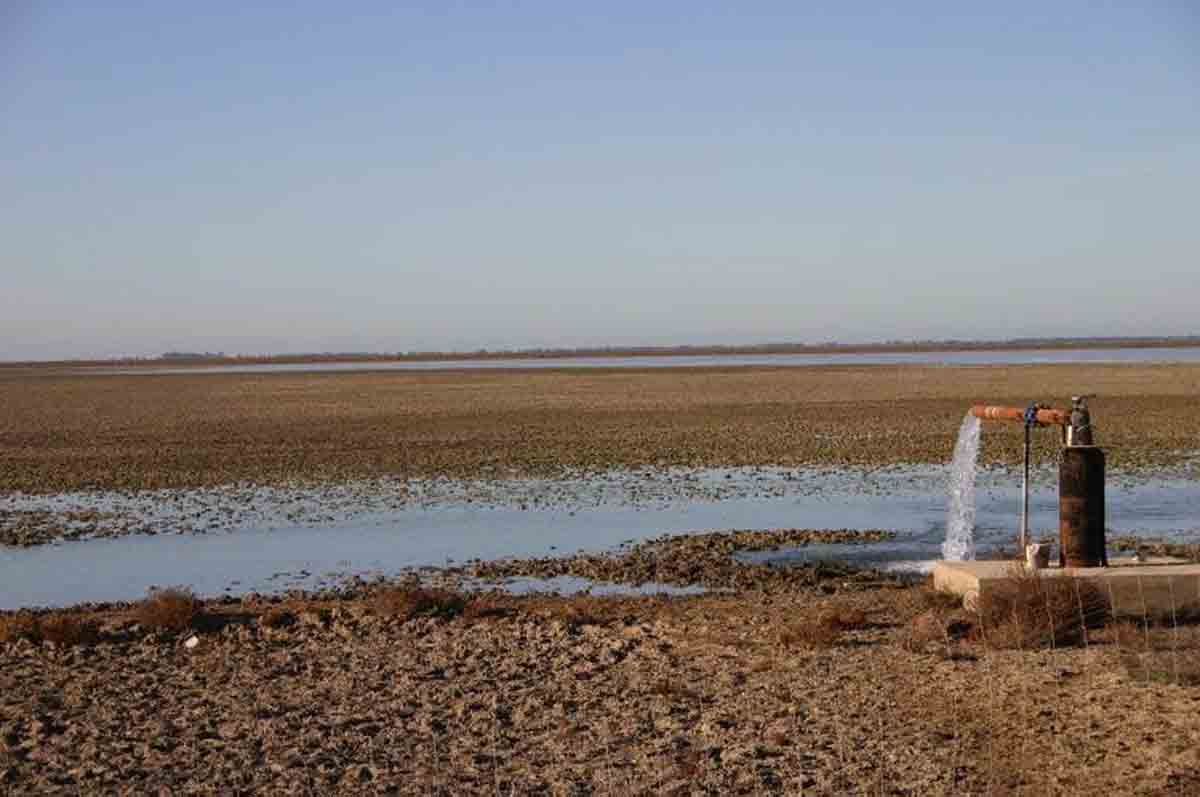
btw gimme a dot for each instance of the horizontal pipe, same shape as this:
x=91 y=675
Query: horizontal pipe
x=1045 y=417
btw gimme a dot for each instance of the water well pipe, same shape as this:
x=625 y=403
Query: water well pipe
x=1081 y=479
x=1044 y=416
x=1030 y=416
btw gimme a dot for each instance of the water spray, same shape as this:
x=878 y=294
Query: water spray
x=1080 y=478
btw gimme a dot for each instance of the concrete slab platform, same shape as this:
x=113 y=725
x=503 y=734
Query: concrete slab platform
x=1151 y=586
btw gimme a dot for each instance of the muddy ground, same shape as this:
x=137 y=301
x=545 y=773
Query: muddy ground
x=131 y=432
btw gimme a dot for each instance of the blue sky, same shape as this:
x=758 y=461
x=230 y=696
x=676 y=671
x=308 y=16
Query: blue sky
x=382 y=176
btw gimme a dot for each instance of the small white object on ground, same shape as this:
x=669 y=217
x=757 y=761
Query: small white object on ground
x=192 y=642
x=1037 y=556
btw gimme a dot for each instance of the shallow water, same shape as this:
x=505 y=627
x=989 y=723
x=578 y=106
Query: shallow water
x=268 y=550
x=1014 y=357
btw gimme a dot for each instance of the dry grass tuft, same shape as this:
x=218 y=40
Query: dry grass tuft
x=824 y=629
x=945 y=629
x=68 y=630
x=1156 y=653
x=1031 y=610
x=168 y=609
x=14 y=627
x=277 y=617
x=486 y=608
x=1125 y=634
x=61 y=628
x=930 y=598
x=577 y=611
x=407 y=603
x=573 y=616
x=851 y=619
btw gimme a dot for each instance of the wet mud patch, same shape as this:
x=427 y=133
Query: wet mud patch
x=704 y=559
x=26 y=527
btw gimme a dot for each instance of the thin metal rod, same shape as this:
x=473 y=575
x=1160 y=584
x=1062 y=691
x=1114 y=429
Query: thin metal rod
x=1025 y=498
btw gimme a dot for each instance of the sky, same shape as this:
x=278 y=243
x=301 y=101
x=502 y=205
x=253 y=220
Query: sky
x=383 y=176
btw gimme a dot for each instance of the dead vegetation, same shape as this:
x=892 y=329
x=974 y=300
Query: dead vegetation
x=277 y=617
x=171 y=609
x=68 y=432
x=1030 y=610
x=823 y=629
x=753 y=692
x=408 y=602
x=64 y=628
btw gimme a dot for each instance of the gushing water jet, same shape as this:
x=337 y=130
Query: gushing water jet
x=960 y=510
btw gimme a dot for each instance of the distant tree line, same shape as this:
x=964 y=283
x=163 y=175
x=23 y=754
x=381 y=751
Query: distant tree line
x=895 y=345
x=192 y=355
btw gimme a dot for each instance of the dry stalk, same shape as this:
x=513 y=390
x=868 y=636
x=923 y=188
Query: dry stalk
x=1174 y=631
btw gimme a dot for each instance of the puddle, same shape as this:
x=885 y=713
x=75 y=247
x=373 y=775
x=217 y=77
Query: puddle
x=276 y=540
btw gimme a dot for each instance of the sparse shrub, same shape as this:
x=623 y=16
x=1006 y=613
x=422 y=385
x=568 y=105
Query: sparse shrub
x=823 y=629
x=66 y=629
x=484 y=608
x=577 y=617
x=23 y=625
x=938 y=600
x=1031 y=610
x=61 y=628
x=1154 y=655
x=277 y=617
x=578 y=610
x=924 y=629
x=1126 y=634
x=1186 y=614
x=935 y=626
x=409 y=602
x=850 y=619
x=168 y=609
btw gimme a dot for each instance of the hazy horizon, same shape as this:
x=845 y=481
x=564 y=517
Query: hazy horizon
x=300 y=178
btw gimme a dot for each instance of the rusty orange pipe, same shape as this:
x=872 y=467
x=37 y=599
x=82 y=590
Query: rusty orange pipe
x=1045 y=417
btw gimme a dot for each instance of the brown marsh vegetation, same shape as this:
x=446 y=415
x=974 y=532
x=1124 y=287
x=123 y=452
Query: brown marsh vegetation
x=168 y=609
x=61 y=431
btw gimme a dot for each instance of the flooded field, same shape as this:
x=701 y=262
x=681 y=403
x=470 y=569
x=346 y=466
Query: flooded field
x=234 y=483
x=269 y=540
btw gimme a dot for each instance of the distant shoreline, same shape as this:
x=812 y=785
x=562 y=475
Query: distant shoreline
x=184 y=359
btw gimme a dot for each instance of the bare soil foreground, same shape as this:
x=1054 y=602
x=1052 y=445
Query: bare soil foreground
x=835 y=683
x=67 y=432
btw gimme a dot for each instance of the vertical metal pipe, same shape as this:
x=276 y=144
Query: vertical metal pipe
x=1024 y=541
x=1081 y=508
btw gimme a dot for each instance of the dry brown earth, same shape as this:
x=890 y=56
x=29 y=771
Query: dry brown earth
x=61 y=431
x=726 y=694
